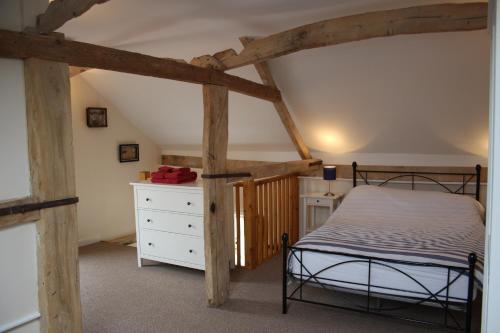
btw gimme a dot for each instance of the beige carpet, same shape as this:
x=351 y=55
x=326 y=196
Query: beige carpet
x=117 y=296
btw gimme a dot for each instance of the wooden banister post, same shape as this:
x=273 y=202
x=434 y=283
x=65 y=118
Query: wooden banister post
x=215 y=136
x=295 y=208
x=250 y=229
x=229 y=202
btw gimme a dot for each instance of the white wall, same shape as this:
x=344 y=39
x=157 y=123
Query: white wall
x=18 y=273
x=491 y=297
x=18 y=276
x=15 y=174
x=105 y=210
x=406 y=100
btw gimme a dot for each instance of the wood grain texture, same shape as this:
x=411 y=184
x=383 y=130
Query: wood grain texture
x=412 y=20
x=281 y=168
x=215 y=137
x=23 y=46
x=50 y=145
x=250 y=216
x=207 y=61
x=58 y=277
x=61 y=11
x=197 y=162
x=270 y=209
x=237 y=190
x=280 y=106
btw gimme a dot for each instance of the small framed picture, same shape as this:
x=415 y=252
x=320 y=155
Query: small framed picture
x=97 y=117
x=128 y=153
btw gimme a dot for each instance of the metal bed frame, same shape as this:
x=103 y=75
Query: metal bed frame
x=445 y=303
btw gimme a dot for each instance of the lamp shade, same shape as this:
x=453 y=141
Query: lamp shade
x=329 y=172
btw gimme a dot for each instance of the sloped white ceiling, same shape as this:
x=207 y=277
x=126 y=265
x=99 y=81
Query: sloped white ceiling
x=422 y=94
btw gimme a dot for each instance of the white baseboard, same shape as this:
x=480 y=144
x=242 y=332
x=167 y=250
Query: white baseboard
x=9 y=326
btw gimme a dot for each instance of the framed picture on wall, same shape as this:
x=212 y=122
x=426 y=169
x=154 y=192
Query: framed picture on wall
x=128 y=153
x=97 y=117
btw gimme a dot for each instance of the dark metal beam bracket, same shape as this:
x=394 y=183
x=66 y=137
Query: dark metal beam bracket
x=28 y=207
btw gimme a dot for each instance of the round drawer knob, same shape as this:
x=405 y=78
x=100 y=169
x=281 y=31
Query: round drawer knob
x=190 y=251
x=149 y=220
x=188 y=203
x=148 y=199
x=317 y=201
x=190 y=225
x=150 y=244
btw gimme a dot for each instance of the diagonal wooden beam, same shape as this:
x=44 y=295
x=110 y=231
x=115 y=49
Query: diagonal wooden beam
x=412 y=20
x=280 y=106
x=23 y=46
x=61 y=11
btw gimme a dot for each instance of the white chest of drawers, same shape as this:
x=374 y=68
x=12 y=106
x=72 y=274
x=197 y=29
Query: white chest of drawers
x=169 y=223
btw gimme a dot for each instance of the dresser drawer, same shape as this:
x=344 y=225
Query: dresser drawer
x=172 y=200
x=171 y=222
x=172 y=246
x=318 y=201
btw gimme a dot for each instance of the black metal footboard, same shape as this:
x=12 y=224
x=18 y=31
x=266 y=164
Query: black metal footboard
x=456 y=312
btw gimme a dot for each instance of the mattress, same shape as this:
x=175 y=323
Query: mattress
x=413 y=226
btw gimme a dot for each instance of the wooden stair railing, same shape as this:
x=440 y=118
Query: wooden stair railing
x=270 y=208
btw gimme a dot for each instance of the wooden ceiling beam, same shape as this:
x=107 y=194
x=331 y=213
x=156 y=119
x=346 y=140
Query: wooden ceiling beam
x=412 y=20
x=196 y=162
x=61 y=11
x=23 y=46
x=280 y=106
x=280 y=168
x=258 y=169
x=74 y=71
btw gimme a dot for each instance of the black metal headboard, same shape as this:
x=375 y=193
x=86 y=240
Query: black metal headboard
x=466 y=178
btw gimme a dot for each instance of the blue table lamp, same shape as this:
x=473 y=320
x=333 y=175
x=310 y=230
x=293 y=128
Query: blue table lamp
x=329 y=173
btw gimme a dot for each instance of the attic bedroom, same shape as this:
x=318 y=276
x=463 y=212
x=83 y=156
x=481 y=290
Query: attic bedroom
x=249 y=166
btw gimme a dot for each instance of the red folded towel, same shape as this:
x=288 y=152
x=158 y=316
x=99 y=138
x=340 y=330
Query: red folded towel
x=157 y=175
x=170 y=175
x=176 y=180
x=173 y=175
x=165 y=168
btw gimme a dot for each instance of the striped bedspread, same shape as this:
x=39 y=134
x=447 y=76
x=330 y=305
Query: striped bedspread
x=417 y=226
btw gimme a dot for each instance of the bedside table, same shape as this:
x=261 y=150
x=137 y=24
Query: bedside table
x=309 y=203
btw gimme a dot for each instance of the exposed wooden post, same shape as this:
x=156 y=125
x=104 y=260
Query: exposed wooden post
x=215 y=137
x=280 y=106
x=50 y=142
x=250 y=220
